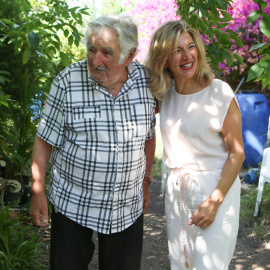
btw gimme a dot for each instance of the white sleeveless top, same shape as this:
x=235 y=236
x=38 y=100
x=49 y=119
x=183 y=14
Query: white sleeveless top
x=191 y=127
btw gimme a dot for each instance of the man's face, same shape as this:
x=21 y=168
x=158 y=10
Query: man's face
x=103 y=56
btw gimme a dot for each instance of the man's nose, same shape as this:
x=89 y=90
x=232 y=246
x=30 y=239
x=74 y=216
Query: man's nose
x=97 y=59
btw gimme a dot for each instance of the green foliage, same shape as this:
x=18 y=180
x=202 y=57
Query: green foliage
x=113 y=7
x=156 y=172
x=262 y=230
x=36 y=41
x=36 y=33
x=3 y=78
x=19 y=248
x=261 y=70
x=247 y=208
x=210 y=18
x=260 y=224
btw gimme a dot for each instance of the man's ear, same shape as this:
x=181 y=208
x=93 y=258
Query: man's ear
x=131 y=55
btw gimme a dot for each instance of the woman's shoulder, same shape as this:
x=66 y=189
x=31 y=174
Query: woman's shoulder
x=219 y=83
x=220 y=87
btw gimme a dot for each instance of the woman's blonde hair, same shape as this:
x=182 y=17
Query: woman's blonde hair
x=163 y=41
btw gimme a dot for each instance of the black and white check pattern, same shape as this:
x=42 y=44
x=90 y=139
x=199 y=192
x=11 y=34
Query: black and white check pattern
x=98 y=158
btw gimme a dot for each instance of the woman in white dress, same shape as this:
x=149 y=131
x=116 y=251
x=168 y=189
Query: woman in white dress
x=201 y=129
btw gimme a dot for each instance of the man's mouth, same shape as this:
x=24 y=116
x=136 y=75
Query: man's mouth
x=99 y=68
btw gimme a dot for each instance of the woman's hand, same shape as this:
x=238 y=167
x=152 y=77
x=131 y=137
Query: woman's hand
x=206 y=213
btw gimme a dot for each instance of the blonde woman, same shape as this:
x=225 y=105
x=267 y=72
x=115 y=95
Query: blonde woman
x=201 y=129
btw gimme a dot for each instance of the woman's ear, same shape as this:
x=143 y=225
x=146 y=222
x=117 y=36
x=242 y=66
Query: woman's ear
x=166 y=64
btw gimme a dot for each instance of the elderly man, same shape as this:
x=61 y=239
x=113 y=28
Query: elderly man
x=98 y=123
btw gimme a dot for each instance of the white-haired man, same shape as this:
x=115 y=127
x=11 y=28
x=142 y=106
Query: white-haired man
x=98 y=124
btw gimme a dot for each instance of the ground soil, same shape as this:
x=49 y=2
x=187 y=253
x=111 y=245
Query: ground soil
x=251 y=252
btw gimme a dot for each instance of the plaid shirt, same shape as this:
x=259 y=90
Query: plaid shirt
x=98 y=158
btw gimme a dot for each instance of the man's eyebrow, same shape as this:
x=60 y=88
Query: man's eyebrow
x=109 y=49
x=90 y=45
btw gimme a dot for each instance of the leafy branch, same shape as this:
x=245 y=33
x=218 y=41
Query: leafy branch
x=261 y=70
x=210 y=18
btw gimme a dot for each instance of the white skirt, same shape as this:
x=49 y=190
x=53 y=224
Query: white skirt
x=206 y=249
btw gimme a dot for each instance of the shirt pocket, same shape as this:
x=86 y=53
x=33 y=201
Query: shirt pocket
x=141 y=118
x=86 y=112
x=84 y=122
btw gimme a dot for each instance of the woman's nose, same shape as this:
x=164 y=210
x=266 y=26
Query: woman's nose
x=185 y=53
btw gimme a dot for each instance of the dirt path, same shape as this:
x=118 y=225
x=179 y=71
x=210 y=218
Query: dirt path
x=155 y=250
x=250 y=254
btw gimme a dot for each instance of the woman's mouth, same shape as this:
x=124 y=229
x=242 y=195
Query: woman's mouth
x=189 y=65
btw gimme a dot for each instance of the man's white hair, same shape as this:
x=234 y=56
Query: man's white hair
x=125 y=28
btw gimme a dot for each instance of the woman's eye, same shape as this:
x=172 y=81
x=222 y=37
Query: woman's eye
x=177 y=51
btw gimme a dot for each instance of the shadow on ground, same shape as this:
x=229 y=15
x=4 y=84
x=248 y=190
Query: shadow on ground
x=251 y=253
x=155 y=249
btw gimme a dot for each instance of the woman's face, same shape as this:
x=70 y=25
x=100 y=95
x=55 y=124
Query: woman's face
x=184 y=60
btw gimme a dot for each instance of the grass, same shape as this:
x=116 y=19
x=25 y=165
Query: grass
x=261 y=223
x=20 y=248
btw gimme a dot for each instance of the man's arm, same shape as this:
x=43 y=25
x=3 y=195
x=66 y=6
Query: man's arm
x=40 y=158
x=150 y=146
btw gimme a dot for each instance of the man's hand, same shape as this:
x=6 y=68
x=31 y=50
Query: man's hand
x=39 y=209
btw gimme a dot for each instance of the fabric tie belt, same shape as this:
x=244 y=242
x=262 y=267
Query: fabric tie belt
x=183 y=174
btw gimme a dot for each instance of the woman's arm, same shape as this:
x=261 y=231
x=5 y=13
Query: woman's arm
x=205 y=214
